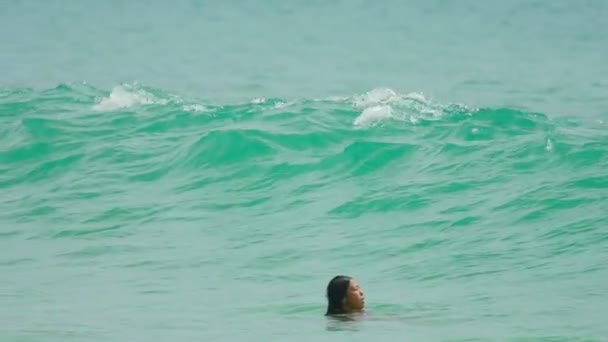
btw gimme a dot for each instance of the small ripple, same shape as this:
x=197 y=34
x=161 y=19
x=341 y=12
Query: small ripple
x=16 y=262
x=95 y=251
x=466 y=221
x=9 y=233
x=69 y=233
x=34 y=151
x=246 y=203
x=364 y=205
x=54 y=168
x=142 y=264
x=428 y=243
x=579 y=229
x=588 y=183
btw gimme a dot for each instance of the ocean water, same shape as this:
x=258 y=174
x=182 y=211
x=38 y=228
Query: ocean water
x=199 y=170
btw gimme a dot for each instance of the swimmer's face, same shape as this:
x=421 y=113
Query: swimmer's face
x=355 y=300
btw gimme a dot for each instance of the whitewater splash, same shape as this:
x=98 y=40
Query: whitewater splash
x=125 y=96
x=374 y=107
x=130 y=95
x=380 y=104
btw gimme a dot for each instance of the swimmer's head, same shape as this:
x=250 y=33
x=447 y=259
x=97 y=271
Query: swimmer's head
x=344 y=296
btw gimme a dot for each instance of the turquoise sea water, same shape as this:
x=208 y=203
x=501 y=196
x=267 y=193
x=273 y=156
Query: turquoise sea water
x=200 y=170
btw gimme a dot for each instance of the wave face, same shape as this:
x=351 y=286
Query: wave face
x=138 y=210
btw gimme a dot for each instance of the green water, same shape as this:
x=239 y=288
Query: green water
x=200 y=171
x=175 y=219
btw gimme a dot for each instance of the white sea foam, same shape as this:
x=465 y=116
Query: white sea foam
x=374 y=114
x=549 y=145
x=125 y=96
x=195 y=108
x=258 y=100
x=384 y=103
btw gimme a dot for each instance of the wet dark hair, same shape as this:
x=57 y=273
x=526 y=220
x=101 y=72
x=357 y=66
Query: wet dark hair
x=336 y=291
